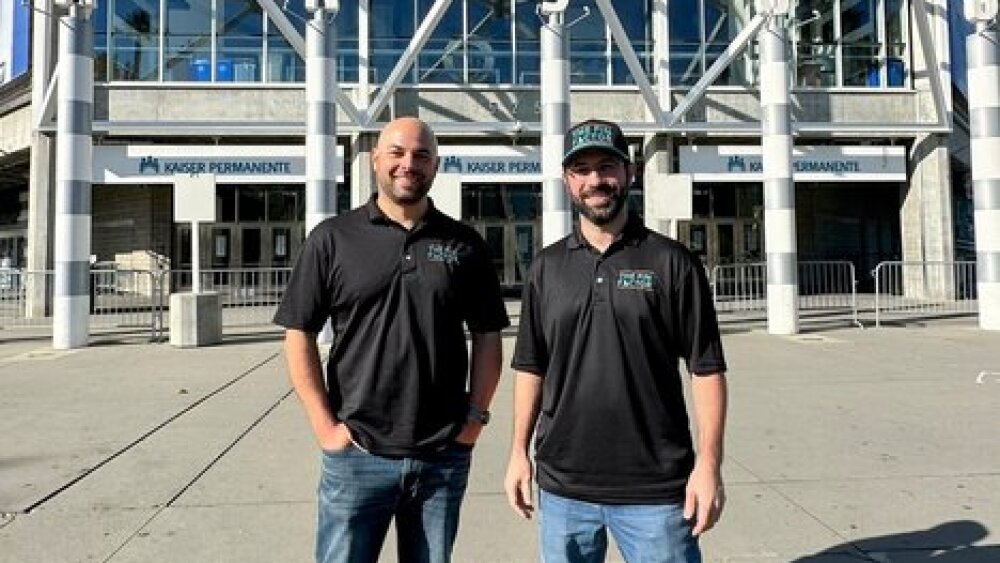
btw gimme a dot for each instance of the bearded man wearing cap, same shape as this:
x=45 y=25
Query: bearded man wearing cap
x=607 y=313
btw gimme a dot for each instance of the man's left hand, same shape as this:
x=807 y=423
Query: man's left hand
x=705 y=497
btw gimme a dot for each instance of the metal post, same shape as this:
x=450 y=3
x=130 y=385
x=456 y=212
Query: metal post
x=556 y=216
x=321 y=115
x=779 y=189
x=71 y=311
x=983 y=56
x=196 y=257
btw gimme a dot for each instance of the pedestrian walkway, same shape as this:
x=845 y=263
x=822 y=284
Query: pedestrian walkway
x=847 y=445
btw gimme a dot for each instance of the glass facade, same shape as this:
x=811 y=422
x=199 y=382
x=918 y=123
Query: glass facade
x=851 y=43
x=836 y=43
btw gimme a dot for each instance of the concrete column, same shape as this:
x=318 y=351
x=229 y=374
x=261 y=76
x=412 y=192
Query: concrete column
x=41 y=188
x=362 y=173
x=71 y=313
x=321 y=118
x=983 y=48
x=779 y=189
x=556 y=216
x=656 y=152
x=927 y=233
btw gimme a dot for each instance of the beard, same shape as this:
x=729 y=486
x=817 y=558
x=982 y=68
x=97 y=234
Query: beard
x=601 y=215
x=417 y=189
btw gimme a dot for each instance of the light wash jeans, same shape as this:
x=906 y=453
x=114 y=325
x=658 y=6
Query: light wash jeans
x=360 y=493
x=574 y=531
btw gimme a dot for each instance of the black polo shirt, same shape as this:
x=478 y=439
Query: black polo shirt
x=605 y=332
x=398 y=367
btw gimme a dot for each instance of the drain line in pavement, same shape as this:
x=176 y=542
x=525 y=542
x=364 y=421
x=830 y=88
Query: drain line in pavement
x=195 y=479
x=149 y=433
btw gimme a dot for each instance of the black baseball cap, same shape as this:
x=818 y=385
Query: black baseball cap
x=595 y=134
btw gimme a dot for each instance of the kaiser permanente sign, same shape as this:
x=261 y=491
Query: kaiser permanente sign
x=271 y=164
x=809 y=164
x=231 y=164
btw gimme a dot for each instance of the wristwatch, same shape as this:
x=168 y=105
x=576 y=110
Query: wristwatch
x=477 y=414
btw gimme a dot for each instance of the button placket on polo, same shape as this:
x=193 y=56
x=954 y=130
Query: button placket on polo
x=601 y=281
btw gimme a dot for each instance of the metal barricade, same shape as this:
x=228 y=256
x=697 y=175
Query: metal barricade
x=739 y=287
x=827 y=290
x=120 y=301
x=249 y=296
x=924 y=290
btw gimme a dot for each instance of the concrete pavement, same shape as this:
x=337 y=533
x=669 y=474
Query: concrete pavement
x=845 y=445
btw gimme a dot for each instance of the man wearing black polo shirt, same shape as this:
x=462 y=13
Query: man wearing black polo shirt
x=607 y=312
x=402 y=403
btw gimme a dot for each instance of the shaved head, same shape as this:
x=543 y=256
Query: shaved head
x=405 y=161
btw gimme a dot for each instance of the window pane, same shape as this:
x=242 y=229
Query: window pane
x=441 y=59
x=100 y=21
x=240 y=34
x=723 y=22
x=283 y=204
x=816 y=55
x=526 y=30
x=392 y=27
x=895 y=29
x=251 y=203
x=134 y=40
x=348 y=60
x=636 y=22
x=685 y=43
x=588 y=46
x=858 y=27
x=188 y=54
x=489 y=44
x=225 y=203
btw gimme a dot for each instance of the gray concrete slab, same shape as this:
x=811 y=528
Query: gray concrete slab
x=843 y=446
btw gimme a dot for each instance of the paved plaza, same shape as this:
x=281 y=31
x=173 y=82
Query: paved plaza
x=843 y=445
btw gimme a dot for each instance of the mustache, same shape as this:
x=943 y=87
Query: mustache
x=602 y=189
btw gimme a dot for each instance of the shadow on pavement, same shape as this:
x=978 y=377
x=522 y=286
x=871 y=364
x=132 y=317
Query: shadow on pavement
x=950 y=542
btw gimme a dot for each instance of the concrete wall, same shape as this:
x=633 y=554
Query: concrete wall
x=16 y=131
x=130 y=218
x=287 y=105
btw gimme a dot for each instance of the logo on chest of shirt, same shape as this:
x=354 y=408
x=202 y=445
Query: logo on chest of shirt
x=641 y=280
x=437 y=252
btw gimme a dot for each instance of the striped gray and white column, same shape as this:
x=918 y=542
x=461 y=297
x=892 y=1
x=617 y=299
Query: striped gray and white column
x=321 y=116
x=779 y=188
x=556 y=216
x=983 y=58
x=71 y=305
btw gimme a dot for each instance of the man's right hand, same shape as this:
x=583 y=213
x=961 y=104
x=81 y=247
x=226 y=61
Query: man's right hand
x=334 y=439
x=518 y=486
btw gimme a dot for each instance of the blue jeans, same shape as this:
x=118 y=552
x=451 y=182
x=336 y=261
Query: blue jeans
x=360 y=493
x=574 y=531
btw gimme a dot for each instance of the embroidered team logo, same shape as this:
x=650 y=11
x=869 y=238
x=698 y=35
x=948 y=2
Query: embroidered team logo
x=635 y=279
x=437 y=252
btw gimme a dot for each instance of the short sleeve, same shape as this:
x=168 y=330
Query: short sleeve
x=484 y=307
x=701 y=344
x=530 y=350
x=306 y=303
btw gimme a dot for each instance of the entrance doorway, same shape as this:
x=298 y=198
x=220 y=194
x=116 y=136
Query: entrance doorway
x=723 y=241
x=508 y=216
x=257 y=227
x=240 y=246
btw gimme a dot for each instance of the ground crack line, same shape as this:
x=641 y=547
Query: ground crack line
x=149 y=433
x=197 y=477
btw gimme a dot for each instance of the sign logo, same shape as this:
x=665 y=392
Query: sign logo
x=148 y=163
x=452 y=164
x=641 y=280
x=437 y=252
x=736 y=164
